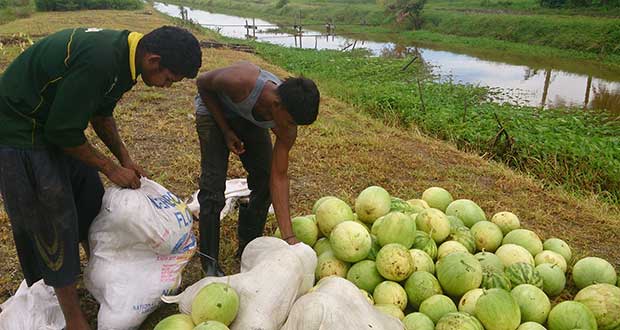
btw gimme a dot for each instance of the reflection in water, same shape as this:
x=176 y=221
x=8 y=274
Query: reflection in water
x=606 y=98
x=520 y=84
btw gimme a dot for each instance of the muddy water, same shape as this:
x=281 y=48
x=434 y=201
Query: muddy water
x=516 y=80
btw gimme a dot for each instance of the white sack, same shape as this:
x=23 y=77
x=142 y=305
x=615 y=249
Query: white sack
x=140 y=242
x=273 y=275
x=236 y=189
x=32 y=308
x=337 y=304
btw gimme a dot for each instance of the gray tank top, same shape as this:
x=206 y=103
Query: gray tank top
x=244 y=108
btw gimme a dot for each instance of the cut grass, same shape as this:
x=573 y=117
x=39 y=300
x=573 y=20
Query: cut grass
x=342 y=153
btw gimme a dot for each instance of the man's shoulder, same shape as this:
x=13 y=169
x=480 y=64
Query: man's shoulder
x=103 y=48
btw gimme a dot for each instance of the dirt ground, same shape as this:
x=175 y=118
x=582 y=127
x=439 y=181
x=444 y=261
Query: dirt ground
x=341 y=154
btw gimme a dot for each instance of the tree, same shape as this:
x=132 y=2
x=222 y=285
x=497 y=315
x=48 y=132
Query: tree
x=407 y=11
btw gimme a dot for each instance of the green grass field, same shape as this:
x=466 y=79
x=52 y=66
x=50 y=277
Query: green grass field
x=346 y=150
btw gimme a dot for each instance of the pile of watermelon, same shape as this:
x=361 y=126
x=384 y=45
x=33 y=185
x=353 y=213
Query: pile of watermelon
x=439 y=263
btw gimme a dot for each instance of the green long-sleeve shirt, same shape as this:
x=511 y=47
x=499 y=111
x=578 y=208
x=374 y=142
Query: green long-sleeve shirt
x=50 y=91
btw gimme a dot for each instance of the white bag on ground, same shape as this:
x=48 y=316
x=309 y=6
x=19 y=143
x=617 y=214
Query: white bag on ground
x=337 y=304
x=273 y=275
x=32 y=308
x=236 y=189
x=140 y=242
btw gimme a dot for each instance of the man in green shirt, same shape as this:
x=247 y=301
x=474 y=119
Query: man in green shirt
x=48 y=170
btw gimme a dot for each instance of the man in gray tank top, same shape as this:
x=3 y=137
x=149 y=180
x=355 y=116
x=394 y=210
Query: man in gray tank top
x=235 y=107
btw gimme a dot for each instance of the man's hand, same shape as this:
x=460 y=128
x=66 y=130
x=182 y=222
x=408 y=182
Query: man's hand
x=129 y=164
x=123 y=177
x=292 y=240
x=233 y=143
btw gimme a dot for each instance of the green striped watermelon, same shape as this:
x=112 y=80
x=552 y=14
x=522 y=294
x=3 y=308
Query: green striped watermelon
x=424 y=242
x=464 y=236
x=498 y=280
x=523 y=273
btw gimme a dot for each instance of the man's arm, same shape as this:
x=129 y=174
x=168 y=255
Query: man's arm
x=279 y=181
x=121 y=176
x=105 y=127
x=209 y=84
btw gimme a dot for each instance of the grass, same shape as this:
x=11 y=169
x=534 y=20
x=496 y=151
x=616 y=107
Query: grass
x=345 y=151
x=596 y=36
x=577 y=149
x=13 y=12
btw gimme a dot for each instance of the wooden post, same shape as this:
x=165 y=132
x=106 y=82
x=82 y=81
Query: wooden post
x=588 y=88
x=247 y=29
x=254 y=27
x=316 y=40
x=546 y=88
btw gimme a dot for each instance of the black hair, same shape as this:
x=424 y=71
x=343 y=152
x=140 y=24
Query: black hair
x=179 y=50
x=300 y=97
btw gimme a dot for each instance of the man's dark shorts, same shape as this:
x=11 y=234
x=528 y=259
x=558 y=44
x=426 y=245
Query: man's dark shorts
x=51 y=200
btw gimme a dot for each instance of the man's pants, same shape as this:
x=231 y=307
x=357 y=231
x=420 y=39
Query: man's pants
x=214 y=165
x=51 y=200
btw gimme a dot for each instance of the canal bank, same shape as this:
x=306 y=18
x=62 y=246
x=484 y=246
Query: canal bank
x=569 y=146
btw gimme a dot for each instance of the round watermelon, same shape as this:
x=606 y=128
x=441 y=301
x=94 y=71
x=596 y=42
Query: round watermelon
x=457 y=320
x=350 y=241
x=422 y=241
x=490 y=262
x=211 y=325
x=497 y=310
x=523 y=273
x=468 y=301
x=320 y=201
x=498 y=280
x=487 y=236
x=525 y=238
x=603 y=300
x=559 y=246
x=553 y=277
x=506 y=221
x=435 y=223
x=533 y=303
x=365 y=275
x=458 y=273
x=421 y=286
x=422 y=261
x=455 y=223
x=463 y=236
x=531 y=326
x=418 y=205
x=394 y=262
x=328 y=265
x=176 y=322
x=216 y=302
x=322 y=245
x=593 y=270
x=305 y=230
x=448 y=247
x=391 y=310
x=435 y=307
x=418 y=321
x=466 y=210
x=388 y=292
x=437 y=197
x=550 y=257
x=372 y=203
x=512 y=254
x=569 y=315
x=396 y=227
x=330 y=213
